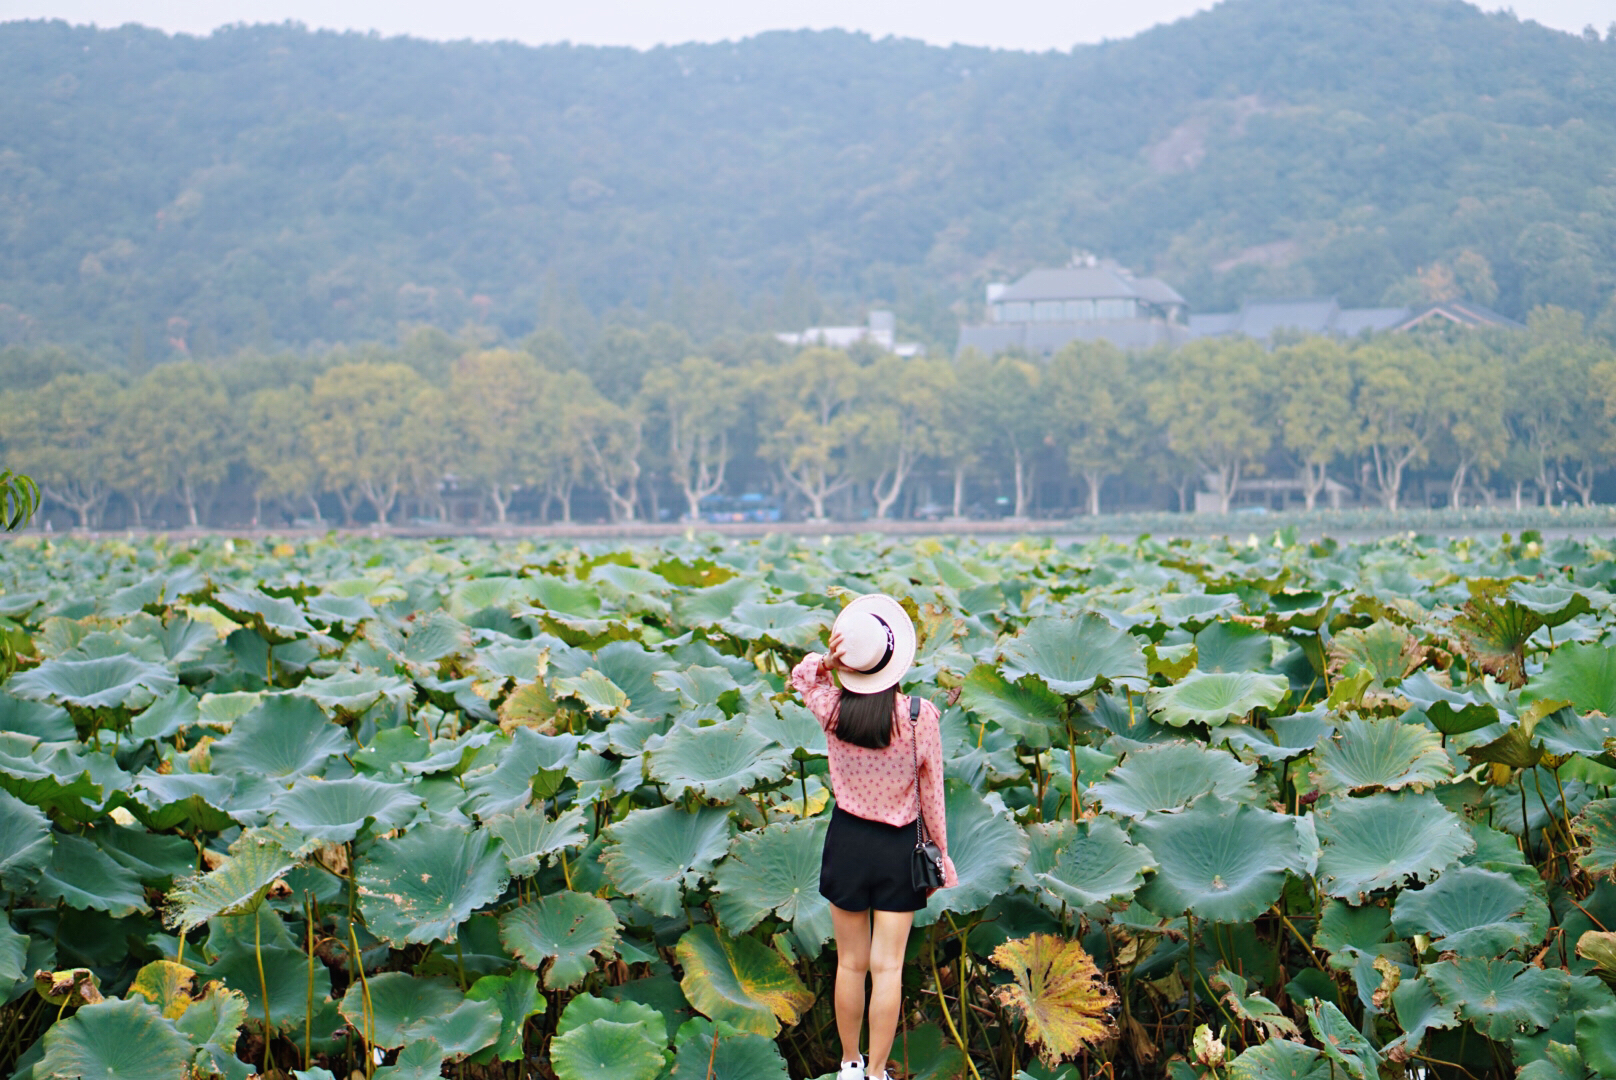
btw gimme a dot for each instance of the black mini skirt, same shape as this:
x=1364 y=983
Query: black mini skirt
x=866 y=865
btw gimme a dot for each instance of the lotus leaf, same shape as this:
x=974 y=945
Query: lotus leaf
x=1418 y=1011
x=566 y=928
x=1026 y=709
x=634 y=668
x=986 y=847
x=517 y=997
x=1375 y=842
x=393 y=1009
x=1250 y=1006
x=166 y=984
x=47 y=723
x=660 y=852
x=129 y=1040
x=717 y=762
x=527 y=836
x=595 y=691
x=699 y=688
x=1469 y=911
x=775 y=869
x=740 y=981
x=1450 y=711
x=1074 y=654
x=784 y=624
x=283 y=737
x=25 y=843
x=1233 y=647
x=531 y=759
x=1559 y=1062
x=1281 y=1059
x=1580 y=675
x=1224 y=862
x=584 y=1008
x=355 y=692
x=420 y=887
x=1097 y=865
x=1501 y=997
x=81 y=875
x=167 y=716
x=1342 y=1043
x=1381 y=753
x=334 y=811
x=1596 y=946
x=213 y=1022
x=1555 y=604
x=709 y=1051
x=1171 y=776
x=1495 y=632
x=1213 y=697
x=422 y=1059
x=604 y=1050
x=275 y=618
x=1060 y=993
x=1596 y=1040
x=792 y=726
x=106 y=682
x=1195 y=610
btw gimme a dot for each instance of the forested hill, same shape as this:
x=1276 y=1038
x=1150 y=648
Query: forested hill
x=273 y=185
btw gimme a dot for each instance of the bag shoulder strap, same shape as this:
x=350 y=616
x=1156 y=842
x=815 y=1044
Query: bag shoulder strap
x=914 y=745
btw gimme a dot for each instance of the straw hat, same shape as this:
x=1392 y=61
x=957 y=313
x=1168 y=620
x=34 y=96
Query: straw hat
x=878 y=643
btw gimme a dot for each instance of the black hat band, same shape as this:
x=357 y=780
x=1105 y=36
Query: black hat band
x=892 y=644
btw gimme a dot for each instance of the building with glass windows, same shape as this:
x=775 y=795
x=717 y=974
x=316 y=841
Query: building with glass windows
x=1091 y=300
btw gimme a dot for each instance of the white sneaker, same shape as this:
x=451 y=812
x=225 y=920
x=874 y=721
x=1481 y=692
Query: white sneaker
x=852 y=1070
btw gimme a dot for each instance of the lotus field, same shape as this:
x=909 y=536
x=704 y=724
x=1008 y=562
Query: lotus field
x=1260 y=809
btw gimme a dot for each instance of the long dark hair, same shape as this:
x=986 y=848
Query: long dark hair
x=866 y=719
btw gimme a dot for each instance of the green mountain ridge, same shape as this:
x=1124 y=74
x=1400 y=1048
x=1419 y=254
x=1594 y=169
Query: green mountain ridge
x=272 y=185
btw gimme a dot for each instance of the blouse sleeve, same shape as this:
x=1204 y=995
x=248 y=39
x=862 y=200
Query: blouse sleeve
x=931 y=787
x=819 y=691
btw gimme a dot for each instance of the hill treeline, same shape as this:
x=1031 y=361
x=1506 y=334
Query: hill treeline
x=164 y=197
x=647 y=427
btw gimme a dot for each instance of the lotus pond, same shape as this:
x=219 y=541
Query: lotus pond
x=401 y=809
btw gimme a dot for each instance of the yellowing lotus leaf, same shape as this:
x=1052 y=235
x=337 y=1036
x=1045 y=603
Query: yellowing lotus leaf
x=1059 y=991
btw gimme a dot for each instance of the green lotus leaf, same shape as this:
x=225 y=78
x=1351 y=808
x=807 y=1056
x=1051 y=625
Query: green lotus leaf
x=283 y=737
x=1223 y=862
x=710 y=606
x=167 y=716
x=438 y=636
x=1074 y=654
x=1381 y=753
x=1418 y=1010
x=633 y=668
x=699 y=688
x=1383 y=650
x=212 y=1021
x=333 y=811
x=527 y=836
x=14 y=966
x=1564 y=732
x=709 y=1051
x=1212 y=697
x=1501 y=997
x=223 y=710
x=568 y=929
x=422 y=1059
x=25 y=843
x=531 y=758
x=1375 y=842
x=1580 y=675
x=155 y=858
x=605 y=1050
x=257 y=859
x=355 y=692
x=517 y=997
x=1596 y=1040
x=106 y=682
x=277 y=619
x=1342 y=1043
x=1559 y=1062
x=1027 y=709
x=1494 y=633
x=81 y=875
x=1195 y=610
x=1231 y=647
x=1281 y=1059
x=1096 y=865
x=1470 y=911
x=717 y=762
x=1450 y=711
x=584 y=1008
x=1556 y=605
x=599 y=695
x=397 y=1009
x=1596 y=825
x=333 y=610
x=791 y=726
x=658 y=853
x=115 y=1040
x=740 y=981
x=1170 y=776
x=47 y=723
x=986 y=848
x=784 y=624
x=422 y=886
x=1248 y=1005
x=775 y=869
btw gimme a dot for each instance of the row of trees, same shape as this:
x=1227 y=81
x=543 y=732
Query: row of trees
x=645 y=432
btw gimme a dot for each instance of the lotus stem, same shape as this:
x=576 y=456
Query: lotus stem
x=712 y=1055
x=942 y=1004
x=308 y=1017
x=263 y=985
x=364 y=989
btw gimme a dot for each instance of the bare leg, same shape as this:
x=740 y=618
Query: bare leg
x=852 y=965
x=887 y=944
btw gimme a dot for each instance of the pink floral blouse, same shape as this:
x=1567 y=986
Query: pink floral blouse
x=879 y=785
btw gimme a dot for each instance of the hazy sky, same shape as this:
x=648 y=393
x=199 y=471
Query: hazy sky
x=1018 y=24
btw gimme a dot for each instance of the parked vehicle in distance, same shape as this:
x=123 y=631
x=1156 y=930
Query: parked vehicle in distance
x=751 y=506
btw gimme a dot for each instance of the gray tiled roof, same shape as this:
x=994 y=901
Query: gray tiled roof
x=1354 y=321
x=1103 y=281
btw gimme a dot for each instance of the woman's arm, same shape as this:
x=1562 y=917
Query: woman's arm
x=931 y=786
x=811 y=678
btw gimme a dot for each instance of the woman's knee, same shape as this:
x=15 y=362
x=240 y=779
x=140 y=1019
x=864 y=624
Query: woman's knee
x=850 y=961
x=886 y=966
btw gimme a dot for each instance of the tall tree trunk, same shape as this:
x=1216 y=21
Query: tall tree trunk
x=1519 y=485
x=1093 y=481
x=188 y=497
x=1314 y=477
x=1023 y=483
x=501 y=500
x=959 y=492
x=1456 y=485
x=314 y=507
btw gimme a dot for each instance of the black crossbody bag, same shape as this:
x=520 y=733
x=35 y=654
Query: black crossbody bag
x=926 y=862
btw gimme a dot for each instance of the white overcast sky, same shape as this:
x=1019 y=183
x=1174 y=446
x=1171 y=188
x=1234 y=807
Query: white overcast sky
x=1016 y=24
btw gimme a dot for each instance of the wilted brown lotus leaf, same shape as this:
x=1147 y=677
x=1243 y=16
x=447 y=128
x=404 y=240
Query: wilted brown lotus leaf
x=1060 y=992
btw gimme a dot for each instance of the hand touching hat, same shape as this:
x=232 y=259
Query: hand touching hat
x=877 y=641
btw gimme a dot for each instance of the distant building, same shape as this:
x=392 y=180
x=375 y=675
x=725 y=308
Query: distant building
x=1324 y=317
x=881 y=331
x=1091 y=300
